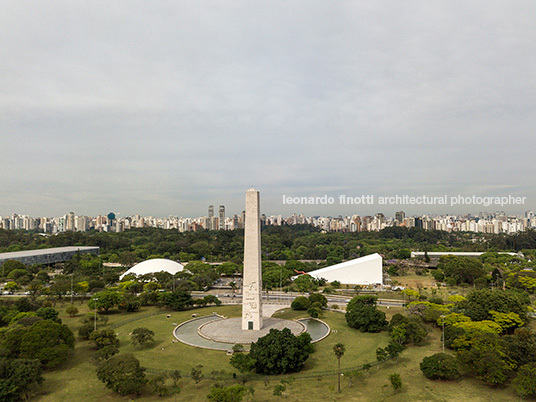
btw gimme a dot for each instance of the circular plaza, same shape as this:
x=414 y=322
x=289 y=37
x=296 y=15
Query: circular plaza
x=220 y=333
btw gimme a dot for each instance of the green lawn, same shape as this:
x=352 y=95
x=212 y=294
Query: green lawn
x=77 y=381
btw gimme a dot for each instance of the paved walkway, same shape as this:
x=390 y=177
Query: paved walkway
x=230 y=330
x=268 y=310
x=187 y=332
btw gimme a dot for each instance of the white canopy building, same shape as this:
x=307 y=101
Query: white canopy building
x=153 y=266
x=360 y=271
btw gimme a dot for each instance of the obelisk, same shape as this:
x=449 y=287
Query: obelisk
x=252 y=281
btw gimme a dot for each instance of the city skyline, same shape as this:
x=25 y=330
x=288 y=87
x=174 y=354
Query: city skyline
x=486 y=222
x=164 y=108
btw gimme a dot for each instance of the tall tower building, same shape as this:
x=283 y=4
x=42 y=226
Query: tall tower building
x=211 y=211
x=221 y=215
x=70 y=222
x=252 y=284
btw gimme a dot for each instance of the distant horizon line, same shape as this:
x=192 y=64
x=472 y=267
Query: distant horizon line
x=407 y=215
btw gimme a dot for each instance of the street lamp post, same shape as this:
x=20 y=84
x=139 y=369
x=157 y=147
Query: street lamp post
x=95 y=320
x=443 y=322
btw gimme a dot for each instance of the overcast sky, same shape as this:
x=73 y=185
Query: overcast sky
x=163 y=107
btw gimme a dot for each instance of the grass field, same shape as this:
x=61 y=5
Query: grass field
x=77 y=381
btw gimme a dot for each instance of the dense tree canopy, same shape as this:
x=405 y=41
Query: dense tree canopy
x=281 y=352
x=16 y=377
x=440 y=367
x=123 y=374
x=480 y=303
x=362 y=314
x=45 y=340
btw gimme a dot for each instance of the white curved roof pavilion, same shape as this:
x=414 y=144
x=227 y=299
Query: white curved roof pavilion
x=152 y=266
x=359 y=271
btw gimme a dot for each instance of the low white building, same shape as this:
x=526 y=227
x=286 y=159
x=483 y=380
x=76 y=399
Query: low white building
x=360 y=271
x=152 y=266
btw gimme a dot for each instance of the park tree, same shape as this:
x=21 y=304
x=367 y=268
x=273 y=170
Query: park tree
x=21 y=276
x=60 y=286
x=396 y=320
x=48 y=313
x=104 y=337
x=362 y=314
x=12 y=286
x=129 y=302
x=11 y=265
x=318 y=298
x=275 y=276
x=243 y=362
x=231 y=393
x=396 y=382
x=381 y=356
x=21 y=315
x=71 y=310
x=47 y=341
x=479 y=303
x=508 y=321
x=177 y=300
x=461 y=269
x=85 y=330
x=525 y=382
x=416 y=331
x=30 y=320
x=106 y=352
x=175 y=376
x=411 y=293
x=17 y=377
x=142 y=337
x=228 y=268
x=315 y=309
x=211 y=299
x=281 y=352
x=399 y=334
x=128 y=259
x=520 y=346
x=486 y=359
x=35 y=288
x=26 y=304
x=279 y=389
x=300 y=303
x=197 y=373
x=339 y=350
x=104 y=300
x=123 y=374
x=305 y=283
x=157 y=385
x=393 y=349
x=440 y=367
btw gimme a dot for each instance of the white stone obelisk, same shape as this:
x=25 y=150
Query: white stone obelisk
x=252 y=281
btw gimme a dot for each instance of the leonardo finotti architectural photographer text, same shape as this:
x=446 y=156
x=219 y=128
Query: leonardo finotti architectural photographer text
x=406 y=200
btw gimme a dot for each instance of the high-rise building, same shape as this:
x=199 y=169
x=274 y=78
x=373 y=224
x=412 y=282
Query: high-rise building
x=211 y=211
x=221 y=216
x=399 y=216
x=70 y=222
x=81 y=223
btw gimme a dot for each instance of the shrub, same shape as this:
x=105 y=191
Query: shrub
x=85 y=330
x=318 y=298
x=300 y=303
x=71 y=310
x=104 y=337
x=440 y=367
x=525 y=381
